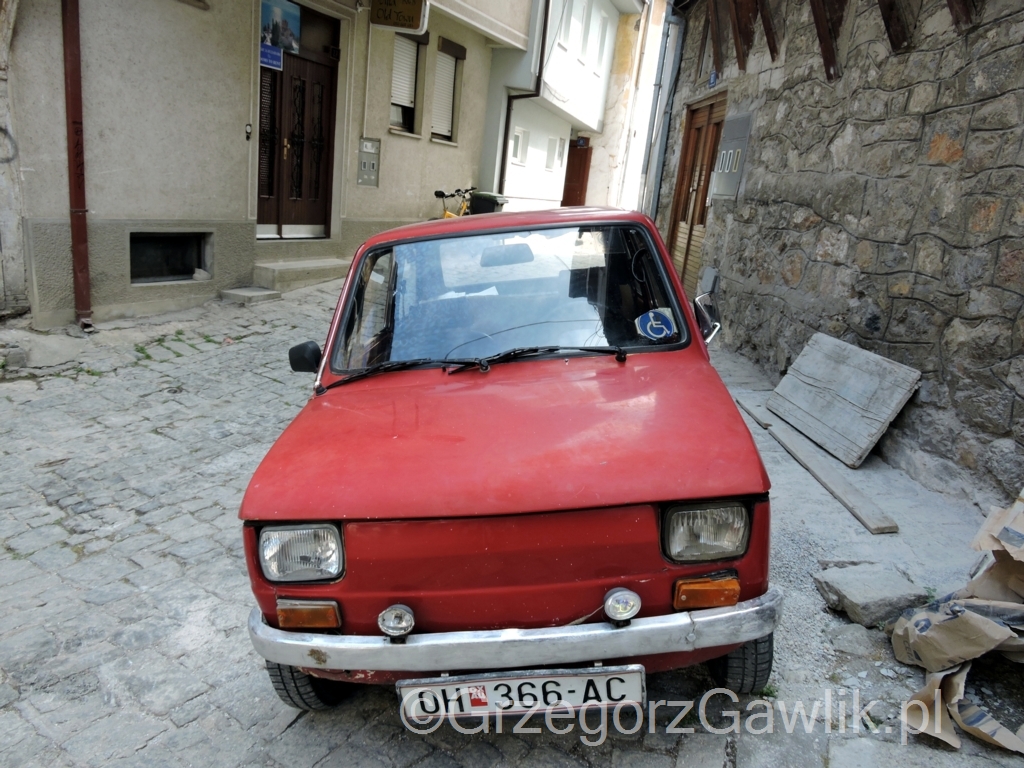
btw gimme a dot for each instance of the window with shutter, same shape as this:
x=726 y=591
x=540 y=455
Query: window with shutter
x=444 y=96
x=403 y=83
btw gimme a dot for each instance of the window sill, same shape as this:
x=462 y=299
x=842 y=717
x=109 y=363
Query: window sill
x=399 y=132
x=445 y=142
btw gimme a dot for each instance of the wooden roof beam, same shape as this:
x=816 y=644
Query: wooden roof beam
x=965 y=13
x=828 y=20
x=769 y=28
x=742 y=14
x=900 y=18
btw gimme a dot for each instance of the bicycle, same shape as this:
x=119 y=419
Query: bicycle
x=463 y=205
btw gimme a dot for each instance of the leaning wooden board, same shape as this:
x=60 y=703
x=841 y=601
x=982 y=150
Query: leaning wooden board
x=842 y=397
x=821 y=468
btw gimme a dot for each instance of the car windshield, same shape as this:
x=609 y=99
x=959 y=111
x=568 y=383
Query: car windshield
x=477 y=296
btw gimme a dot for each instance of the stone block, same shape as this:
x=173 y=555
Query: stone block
x=15 y=358
x=1002 y=112
x=852 y=639
x=983 y=401
x=922 y=98
x=869 y=594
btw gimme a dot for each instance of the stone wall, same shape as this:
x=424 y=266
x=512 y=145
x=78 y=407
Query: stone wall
x=13 y=296
x=885 y=209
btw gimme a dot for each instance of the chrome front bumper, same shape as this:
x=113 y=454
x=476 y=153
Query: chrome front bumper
x=521 y=648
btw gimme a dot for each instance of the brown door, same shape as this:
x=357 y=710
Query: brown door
x=577 y=174
x=690 y=209
x=307 y=107
x=296 y=135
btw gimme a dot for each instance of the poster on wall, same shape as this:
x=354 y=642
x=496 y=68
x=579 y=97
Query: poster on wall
x=279 y=32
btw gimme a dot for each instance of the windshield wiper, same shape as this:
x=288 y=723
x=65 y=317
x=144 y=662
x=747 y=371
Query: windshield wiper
x=485 y=363
x=385 y=367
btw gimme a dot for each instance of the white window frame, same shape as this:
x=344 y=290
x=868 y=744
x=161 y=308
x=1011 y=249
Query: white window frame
x=401 y=57
x=551 y=159
x=519 y=152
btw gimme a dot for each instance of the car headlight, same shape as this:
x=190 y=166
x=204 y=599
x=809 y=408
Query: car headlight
x=301 y=552
x=707 y=532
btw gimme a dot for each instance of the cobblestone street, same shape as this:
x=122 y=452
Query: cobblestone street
x=125 y=597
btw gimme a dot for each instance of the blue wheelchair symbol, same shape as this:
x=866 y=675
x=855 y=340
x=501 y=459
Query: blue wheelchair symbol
x=656 y=325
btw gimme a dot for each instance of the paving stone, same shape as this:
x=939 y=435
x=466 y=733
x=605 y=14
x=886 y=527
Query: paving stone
x=36 y=539
x=852 y=639
x=869 y=594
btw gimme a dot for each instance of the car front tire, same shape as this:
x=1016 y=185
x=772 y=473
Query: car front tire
x=302 y=691
x=746 y=669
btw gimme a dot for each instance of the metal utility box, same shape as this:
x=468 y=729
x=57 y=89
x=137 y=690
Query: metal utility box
x=369 y=163
x=732 y=150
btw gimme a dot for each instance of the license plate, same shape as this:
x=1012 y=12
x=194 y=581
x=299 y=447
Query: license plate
x=519 y=692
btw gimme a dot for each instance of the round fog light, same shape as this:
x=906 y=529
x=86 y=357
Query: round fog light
x=396 y=621
x=621 y=605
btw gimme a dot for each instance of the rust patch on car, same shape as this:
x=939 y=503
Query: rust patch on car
x=320 y=657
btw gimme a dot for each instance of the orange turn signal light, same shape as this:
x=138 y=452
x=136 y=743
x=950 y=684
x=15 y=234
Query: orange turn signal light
x=308 y=614
x=691 y=594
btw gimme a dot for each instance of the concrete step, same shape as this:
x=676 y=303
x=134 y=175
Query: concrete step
x=249 y=295
x=289 y=275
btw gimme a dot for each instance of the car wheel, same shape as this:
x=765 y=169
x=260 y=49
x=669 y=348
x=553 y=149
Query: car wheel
x=302 y=691
x=746 y=669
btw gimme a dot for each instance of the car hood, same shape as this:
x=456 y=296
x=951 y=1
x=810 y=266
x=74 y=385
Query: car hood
x=527 y=436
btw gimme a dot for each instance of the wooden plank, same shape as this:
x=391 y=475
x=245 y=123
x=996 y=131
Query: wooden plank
x=842 y=397
x=826 y=39
x=860 y=506
x=716 y=38
x=897 y=24
x=757 y=411
x=737 y=35
x=964 y=12
x=765 y=10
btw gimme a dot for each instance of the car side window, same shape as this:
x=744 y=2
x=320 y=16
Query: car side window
x=369 y=327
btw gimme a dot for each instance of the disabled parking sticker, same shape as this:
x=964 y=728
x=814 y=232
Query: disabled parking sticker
x=656 y=324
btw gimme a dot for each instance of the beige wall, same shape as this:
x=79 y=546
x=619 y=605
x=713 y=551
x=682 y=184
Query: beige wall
x=166 y=101
x=505 y=21
x=168 y=90
x=412 y=167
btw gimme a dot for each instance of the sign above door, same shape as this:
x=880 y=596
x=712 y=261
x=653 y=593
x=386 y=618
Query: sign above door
x=408 y=15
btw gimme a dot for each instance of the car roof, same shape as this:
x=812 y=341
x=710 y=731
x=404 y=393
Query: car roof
x=504 y=221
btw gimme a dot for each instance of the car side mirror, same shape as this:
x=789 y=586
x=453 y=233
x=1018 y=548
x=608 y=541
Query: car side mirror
x=706 y=310
x=305 y=357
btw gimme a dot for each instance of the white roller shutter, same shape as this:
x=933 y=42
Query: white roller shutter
x=403 y=76
x=444 y=95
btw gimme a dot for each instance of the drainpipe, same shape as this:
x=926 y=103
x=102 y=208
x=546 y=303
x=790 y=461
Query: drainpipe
x=510 y=102
x=659 y=163
x=76 y=163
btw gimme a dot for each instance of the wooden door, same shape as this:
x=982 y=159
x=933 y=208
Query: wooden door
x=296 y=132
x=577 y=174
x=690 y=210
x=307 y=109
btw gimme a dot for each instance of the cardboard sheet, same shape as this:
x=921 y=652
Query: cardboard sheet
x=943 y=636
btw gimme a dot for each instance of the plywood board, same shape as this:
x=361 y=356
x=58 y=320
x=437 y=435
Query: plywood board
x=756 y=410
x=842 y=397
x=861 y=507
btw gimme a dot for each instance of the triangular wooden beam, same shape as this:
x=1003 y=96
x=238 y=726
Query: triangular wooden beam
x=769 y=28
x=965 y=13
x=828 y=20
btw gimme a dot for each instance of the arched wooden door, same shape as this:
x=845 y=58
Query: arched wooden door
x=690 y=208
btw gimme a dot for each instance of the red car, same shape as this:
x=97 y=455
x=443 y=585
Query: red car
x=518 y=473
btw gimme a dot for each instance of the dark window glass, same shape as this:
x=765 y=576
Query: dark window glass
x=157 y=257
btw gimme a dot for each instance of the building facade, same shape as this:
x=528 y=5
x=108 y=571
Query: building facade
x=207 y=166
x=577 y=73
x=861 y=173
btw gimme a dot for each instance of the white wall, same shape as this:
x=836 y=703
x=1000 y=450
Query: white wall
x=532 y=186
x=576 y=81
